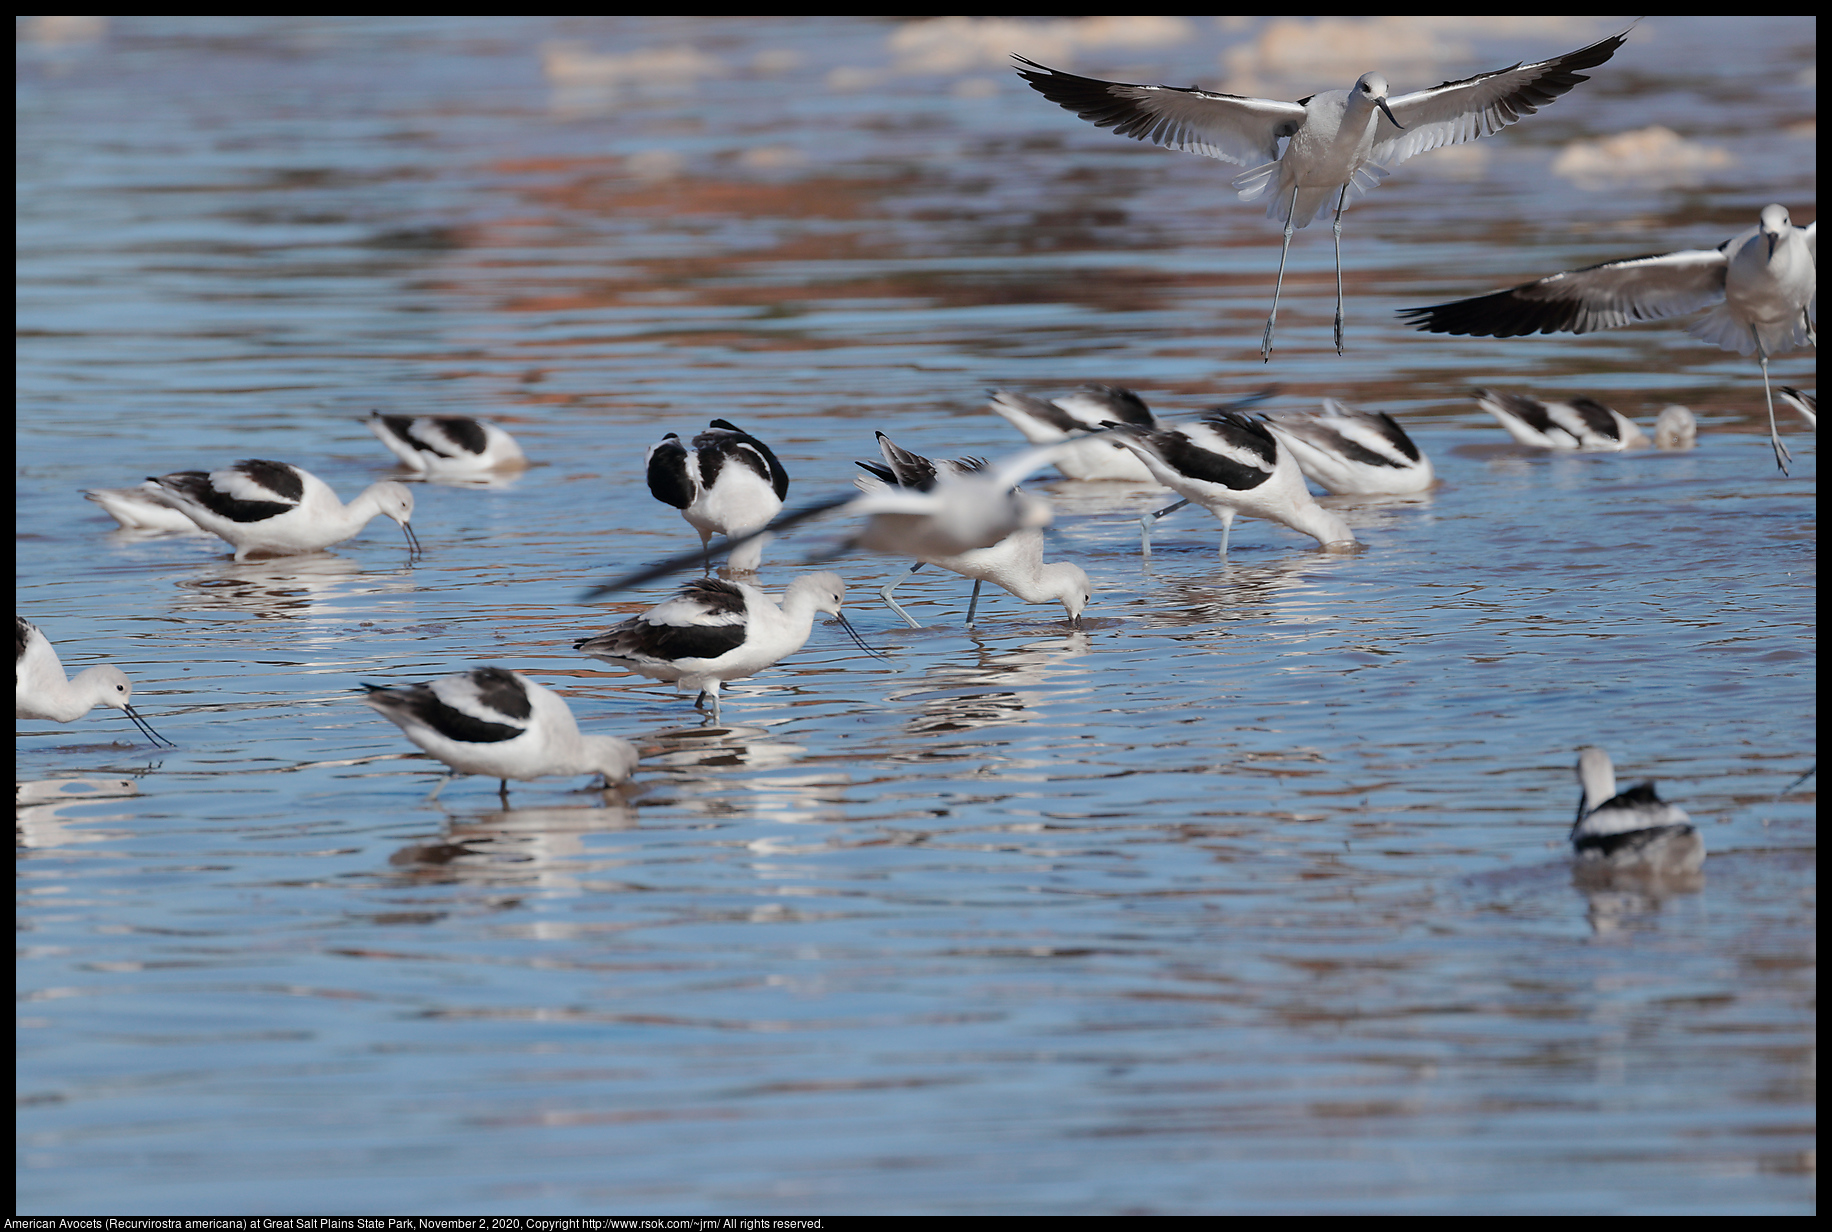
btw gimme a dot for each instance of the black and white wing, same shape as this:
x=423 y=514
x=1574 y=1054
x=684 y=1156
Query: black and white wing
x=1582 y=300
x=1459 y=111
x=1235 y=129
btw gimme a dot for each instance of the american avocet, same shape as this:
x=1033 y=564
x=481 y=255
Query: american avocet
x=1764 y=282
x=41 y=690
x=141 y=509
x=1014 y=564
x=1351 y=452
x=960 y=513
x=498 y=723
x=446 y=445
x=1230 y=463
x=1079 y=416
x=1676 y=428
x=275 y=509
x=1805 y=405
x=1579 y=424
x=714 y=631
x=1337 y=142
x=724 y=482
x=1633 y=830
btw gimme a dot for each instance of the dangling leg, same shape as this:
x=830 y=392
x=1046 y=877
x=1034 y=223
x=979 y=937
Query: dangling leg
x=1266 y=341
x=973 y=603
x=1227 y=529
x=1150 y=520
x=886 y=593
x=1782 y=456
x=712 y=691
x=705 y=551
x=1341 y=201
x=440 y=785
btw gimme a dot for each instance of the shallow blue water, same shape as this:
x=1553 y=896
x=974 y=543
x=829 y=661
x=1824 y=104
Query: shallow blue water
x=1250 y=896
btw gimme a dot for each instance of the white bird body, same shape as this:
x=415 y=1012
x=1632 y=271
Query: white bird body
x=1014 y=564
x=714 y=631
x=1351 y=452
x=1631 y=830
x=498 y=723
x=1078 y=417
x=724 y=482
x=1581 y=424
x=1230 y=463
x=447 y=446
x=276 y=509
x=1763 y=282
x=141 y=509
x=42 y=691
x=1338 y=143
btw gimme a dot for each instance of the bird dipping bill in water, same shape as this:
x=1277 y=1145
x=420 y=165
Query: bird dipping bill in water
x=498 y=723
x=276 y=509
x=42 y=691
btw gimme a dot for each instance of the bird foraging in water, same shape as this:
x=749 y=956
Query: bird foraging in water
x=1337 y=143
x=1351 y=452
x=963 y=511
x=714 y=631
x=141 y=509
x=1764 y=283
x=1014 y=563
x=447 y=446
x=276 y=509
x=1230 y=463
x=1078 y=416
x=499 y=723
x=1636 y=830
x=1579 y=424
x=724 y=482
x=42 y=691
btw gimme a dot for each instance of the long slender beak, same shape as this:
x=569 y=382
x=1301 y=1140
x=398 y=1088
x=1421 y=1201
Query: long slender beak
x=1382 y=104
x=857 y=640
x=1774 y=237
x=146 y=729
x=413 y=542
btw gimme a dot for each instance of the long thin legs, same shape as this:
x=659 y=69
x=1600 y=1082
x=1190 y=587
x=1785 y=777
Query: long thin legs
x=1782 y=454
x=886 y=595
x=1150 y=520
x=1341 y=202
x=973 y=603
x=1266 y=341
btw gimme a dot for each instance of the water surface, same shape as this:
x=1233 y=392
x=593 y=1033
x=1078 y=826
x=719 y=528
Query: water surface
x=1250 y=896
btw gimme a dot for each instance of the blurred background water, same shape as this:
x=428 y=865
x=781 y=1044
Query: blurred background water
x=1250 y=896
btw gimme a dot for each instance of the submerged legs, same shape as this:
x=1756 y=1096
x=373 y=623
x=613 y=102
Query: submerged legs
x=886 y=594
x=1150 y=520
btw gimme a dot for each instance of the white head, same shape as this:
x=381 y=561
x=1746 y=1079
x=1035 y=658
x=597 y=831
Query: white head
x=1596 y=776
x=613 y=758
x=109 y=686
x=395 y=502
x=1070 y=585
x=1775 y=220
x=1677 y=428
x=825 y=588
x=1371 y=90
